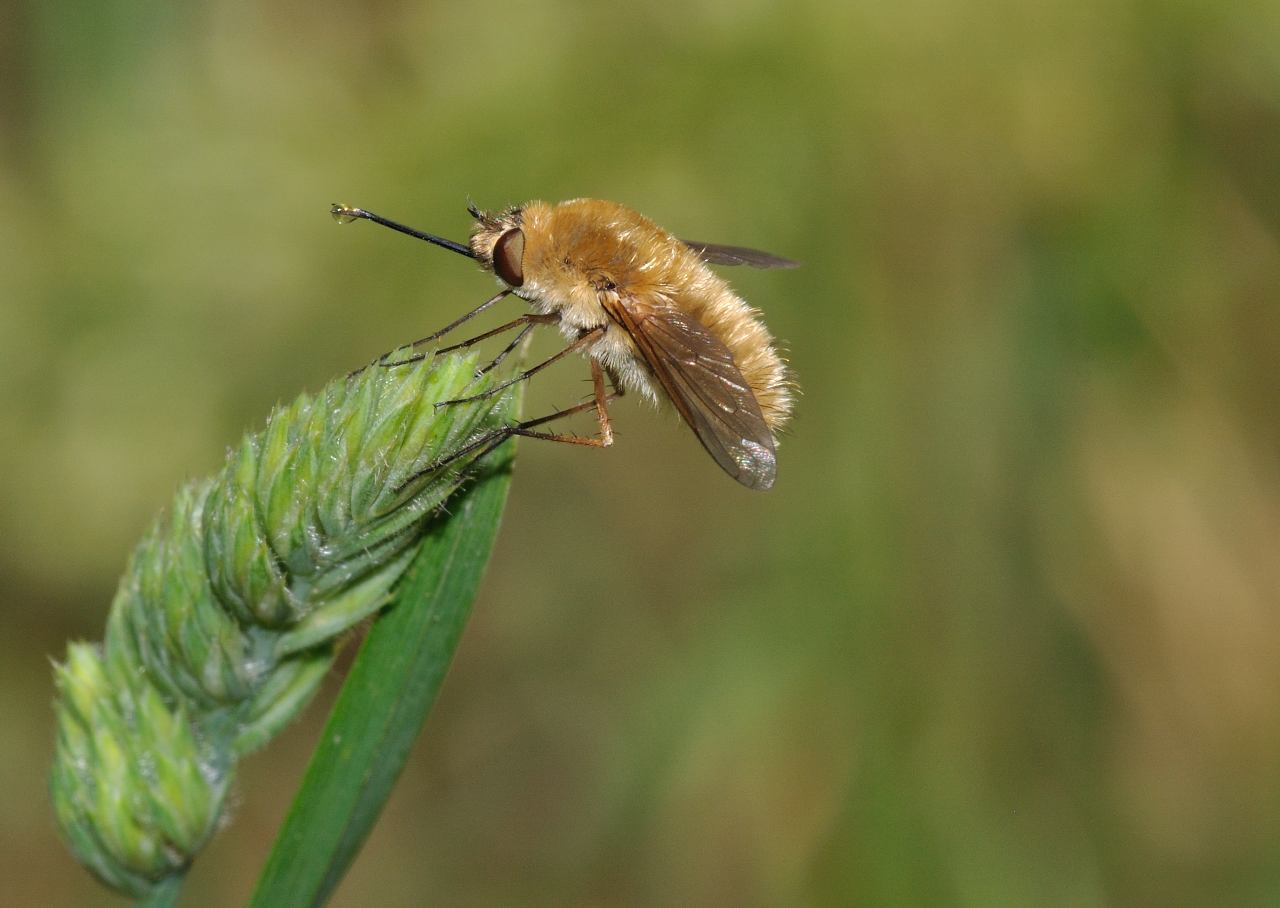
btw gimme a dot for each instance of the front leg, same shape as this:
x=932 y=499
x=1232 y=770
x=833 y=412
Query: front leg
x=583 y=340
x=423 y=341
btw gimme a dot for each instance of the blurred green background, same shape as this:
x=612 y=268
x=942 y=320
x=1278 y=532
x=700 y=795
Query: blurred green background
x=1006 y=631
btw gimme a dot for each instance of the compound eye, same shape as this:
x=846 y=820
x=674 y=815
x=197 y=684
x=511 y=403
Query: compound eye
x=508 y=257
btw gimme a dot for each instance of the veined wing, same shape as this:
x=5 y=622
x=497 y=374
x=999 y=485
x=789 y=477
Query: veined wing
x=699 y=375
x=716 y=254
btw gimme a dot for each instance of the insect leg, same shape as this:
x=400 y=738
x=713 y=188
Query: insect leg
x=503 y=353
x=599 y=401
x=567 y=411
x=602 y=404
x=533 y=320
x=527 y=320
x=487 y=442
x=438 y=334
x=461 y=319
x=593 y=335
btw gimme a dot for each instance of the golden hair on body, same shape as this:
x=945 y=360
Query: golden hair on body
x=647 y=311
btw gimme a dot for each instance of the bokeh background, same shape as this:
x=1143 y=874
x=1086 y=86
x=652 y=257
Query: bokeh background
x=1007 y=630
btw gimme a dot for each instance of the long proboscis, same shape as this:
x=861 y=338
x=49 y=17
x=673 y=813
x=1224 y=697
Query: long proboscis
x=345 y=213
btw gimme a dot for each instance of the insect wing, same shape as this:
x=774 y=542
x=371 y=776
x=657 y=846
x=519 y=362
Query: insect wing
x=716 y=254
x=699 y=375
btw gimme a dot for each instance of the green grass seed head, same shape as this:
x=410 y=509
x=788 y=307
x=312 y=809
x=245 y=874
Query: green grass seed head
x=225 y=618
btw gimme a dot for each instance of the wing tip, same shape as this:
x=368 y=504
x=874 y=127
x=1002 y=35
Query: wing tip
x=757 y=466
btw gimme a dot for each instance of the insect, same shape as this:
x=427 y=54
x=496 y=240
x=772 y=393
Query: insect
x=646 y=311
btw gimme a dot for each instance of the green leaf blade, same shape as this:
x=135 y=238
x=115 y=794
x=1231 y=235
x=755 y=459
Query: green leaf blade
x=385 y=700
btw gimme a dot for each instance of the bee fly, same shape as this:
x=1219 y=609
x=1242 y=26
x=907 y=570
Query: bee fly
x=646 y=311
